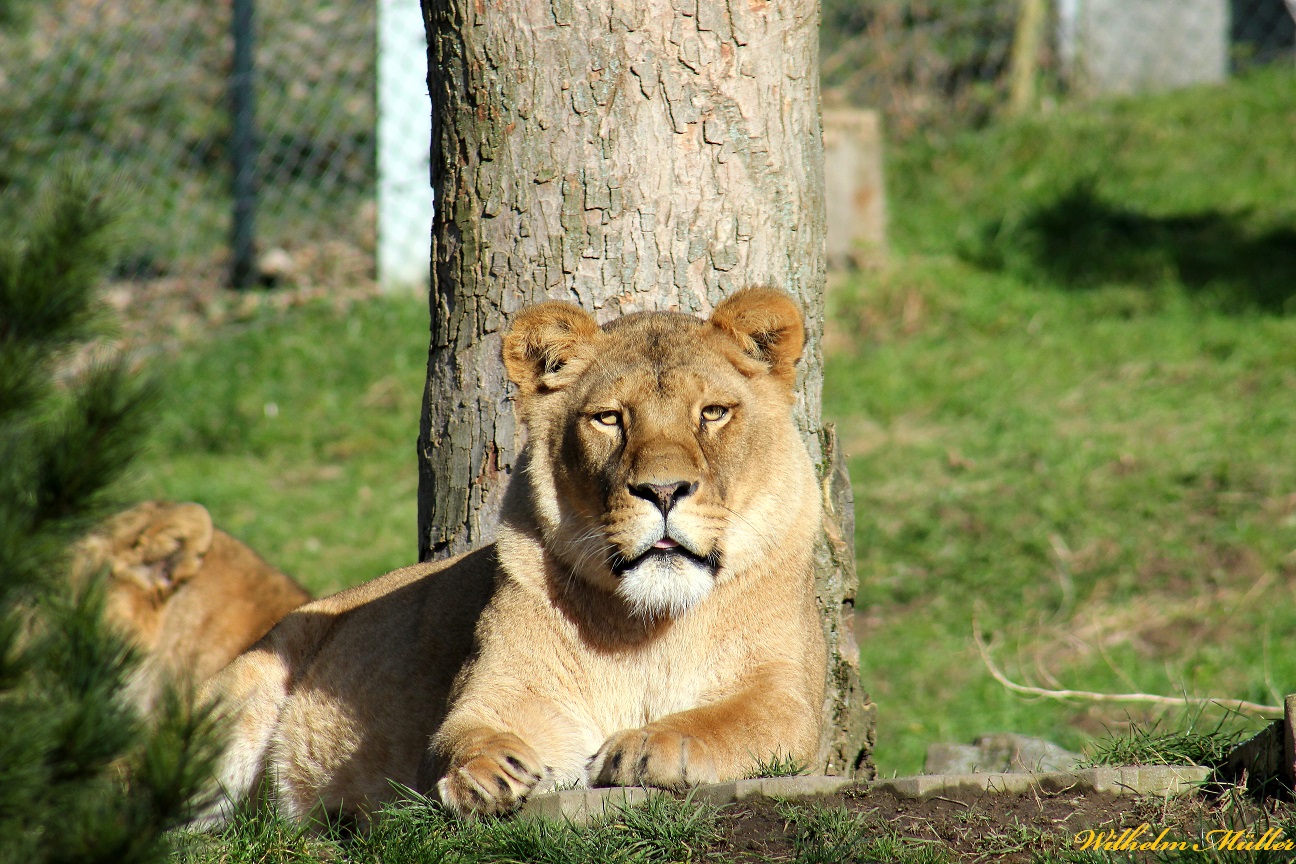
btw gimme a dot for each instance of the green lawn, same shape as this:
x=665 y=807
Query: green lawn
x=1068 y=401
x=298 y=432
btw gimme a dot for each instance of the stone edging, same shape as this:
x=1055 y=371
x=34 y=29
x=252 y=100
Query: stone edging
x=581 y=805
x=1161 y=780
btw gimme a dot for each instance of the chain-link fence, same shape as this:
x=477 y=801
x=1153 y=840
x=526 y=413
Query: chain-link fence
x=959 y=62
x=141 y=87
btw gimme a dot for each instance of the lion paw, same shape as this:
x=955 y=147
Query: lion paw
x=496 y=777
x=653 y=757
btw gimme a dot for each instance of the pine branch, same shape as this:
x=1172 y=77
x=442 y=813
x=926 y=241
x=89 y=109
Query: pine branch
x=47 y=280
x=82 y=778
x=98 y=436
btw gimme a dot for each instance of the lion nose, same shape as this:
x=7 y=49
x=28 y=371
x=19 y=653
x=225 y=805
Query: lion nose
x=664 y=495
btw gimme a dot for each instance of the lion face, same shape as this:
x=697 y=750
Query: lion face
x=189 y=596
x=654 y=442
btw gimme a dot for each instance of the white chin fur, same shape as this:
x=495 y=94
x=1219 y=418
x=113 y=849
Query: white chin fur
x=665 y=585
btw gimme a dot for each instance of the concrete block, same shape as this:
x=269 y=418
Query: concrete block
x=1003 y=753
x=1162 y=780
x=808 y=786
x=854 y=193
x=1159 y=780
x=583 y=805
x=405 y=199
x=1126 y=47
x=580 y=806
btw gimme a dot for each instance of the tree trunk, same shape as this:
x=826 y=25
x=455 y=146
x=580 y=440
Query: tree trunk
x=623 y=156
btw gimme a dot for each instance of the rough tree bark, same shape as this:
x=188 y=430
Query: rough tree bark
x=622 y=155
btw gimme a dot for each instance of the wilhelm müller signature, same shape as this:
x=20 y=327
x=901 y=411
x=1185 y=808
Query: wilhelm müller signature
x=1140 y=839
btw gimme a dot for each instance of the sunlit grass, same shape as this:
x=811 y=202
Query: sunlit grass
x=298 y=433
x=1104 y=467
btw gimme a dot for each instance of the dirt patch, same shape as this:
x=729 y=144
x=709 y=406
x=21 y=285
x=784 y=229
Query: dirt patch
x=167 y=314
x=975 y=827
x=173 y=311
x=759 y=831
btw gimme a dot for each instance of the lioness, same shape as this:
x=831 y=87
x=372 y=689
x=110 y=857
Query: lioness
x=189 y=596
x=647 y=615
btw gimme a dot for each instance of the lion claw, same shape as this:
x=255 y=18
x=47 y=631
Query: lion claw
x=495 y=779
x=653 y=757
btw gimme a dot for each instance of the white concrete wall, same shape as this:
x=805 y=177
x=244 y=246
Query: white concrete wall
x=404 y=142
x=1131 y=46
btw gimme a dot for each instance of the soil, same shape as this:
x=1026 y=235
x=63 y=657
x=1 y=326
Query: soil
x=976 y=827
x=163 y=315
x=171 y=312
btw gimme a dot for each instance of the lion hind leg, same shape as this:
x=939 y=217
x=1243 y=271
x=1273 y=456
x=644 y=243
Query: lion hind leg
x=251 y=691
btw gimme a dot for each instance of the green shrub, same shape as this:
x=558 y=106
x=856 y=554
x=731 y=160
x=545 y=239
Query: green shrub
x=82 y=778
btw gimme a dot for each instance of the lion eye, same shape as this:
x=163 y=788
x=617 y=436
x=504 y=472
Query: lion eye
x=712 y=413
x=607 y=418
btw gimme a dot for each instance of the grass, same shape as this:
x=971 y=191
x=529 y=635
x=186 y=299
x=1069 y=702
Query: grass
x=823 y=834
x=1068 y=403
x=298 y=433
x=254 y=836
x=1152 y=745
x=1091 y=446
x=662 y=830
x=414 y=831
x=779 y=765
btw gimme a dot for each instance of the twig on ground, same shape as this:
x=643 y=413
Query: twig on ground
x=1062 y=560
x=1091 y=696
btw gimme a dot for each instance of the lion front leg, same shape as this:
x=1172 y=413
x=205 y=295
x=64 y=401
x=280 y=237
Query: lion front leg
x=721 y=741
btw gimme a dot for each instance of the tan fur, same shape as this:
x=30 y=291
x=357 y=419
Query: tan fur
x=190 y=597
x=556 y=655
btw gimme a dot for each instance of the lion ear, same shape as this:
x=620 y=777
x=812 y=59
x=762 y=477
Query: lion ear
x=542 y=341
x=172 y=548
x=192 y=526
x=767 y=326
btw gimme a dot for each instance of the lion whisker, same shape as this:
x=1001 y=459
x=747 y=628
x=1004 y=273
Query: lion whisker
x=748 y=522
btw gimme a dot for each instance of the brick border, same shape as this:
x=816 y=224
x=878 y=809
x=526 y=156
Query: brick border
x=583 y=805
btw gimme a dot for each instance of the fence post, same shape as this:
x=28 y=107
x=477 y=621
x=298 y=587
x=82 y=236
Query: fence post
x=243 y=147
x=404 y=149
x=1023 y=59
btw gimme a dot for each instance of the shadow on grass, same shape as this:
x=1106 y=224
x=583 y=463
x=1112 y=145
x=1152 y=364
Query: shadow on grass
x=1080 y=241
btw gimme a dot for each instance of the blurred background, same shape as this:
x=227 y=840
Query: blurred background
x=1061 y=345
x=143 y=87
